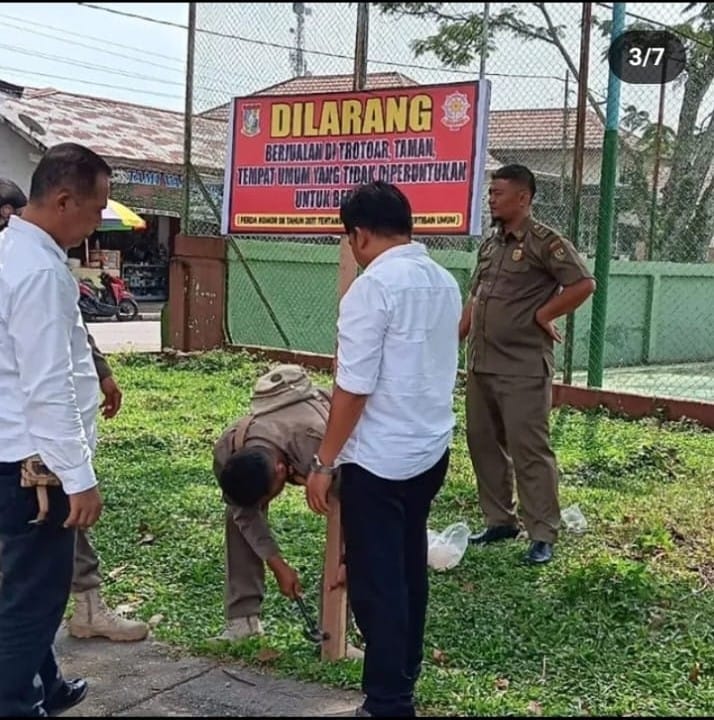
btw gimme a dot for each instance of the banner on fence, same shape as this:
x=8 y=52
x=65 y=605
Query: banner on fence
x=292 y=158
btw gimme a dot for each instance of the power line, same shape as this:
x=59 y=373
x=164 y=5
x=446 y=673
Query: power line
x=123 y=55
x=95 y=48
x=23 y=71
x=87 y=65
x=102 y=68
x=321 y=53
x=84 y=36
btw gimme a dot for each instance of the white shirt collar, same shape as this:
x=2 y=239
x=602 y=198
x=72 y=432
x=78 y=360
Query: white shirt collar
x=410 y=249
x=34 y=233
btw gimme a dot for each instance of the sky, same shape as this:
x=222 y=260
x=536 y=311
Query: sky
x=79 y=48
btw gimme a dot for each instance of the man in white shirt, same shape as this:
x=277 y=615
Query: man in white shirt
x=92 y=617
x=389 y=431
x=50 y=399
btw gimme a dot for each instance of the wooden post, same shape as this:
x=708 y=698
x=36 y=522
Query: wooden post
x=334 y=602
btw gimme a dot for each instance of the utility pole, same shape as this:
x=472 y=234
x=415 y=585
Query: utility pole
x=484 y=42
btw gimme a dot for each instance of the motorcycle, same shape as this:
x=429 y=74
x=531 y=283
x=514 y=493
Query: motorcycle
x=112 y=299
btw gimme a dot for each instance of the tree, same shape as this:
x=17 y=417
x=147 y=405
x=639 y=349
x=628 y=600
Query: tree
x=685 y=217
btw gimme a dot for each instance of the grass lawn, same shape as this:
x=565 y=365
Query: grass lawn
x=622 y=622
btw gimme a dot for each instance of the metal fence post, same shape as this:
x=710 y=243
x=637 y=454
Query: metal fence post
x=578 y=153
x=608 y=180
x=187 y=120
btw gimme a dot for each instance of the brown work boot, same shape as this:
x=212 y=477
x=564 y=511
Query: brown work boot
x=240 y=628
x=92 y=618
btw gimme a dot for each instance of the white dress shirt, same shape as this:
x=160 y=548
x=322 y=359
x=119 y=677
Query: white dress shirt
x=398 y=343
x=48 y=383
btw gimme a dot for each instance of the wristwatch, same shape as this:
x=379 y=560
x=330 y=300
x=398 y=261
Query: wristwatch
x=317 y=466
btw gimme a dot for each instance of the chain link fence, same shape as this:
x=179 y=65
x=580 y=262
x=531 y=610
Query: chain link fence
x=659 y=331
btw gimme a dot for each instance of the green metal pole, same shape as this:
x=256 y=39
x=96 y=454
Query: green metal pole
x=608 y=180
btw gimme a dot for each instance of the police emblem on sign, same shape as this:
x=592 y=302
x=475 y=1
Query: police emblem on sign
x=251 y=120
x=456 y=110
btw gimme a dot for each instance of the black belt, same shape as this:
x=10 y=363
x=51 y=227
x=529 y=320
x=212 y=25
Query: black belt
x=10 y=467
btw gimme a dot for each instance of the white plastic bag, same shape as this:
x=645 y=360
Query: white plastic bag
x=448 y=547
x=574 y=520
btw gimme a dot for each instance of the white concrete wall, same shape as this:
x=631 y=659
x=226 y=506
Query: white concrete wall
x=18 y=158
x=551 y=162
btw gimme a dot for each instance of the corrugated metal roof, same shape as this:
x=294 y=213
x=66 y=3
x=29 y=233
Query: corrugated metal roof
x=115 y=130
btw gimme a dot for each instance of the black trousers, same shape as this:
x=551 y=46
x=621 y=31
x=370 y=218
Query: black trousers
x=36 y=562
x=384 y=523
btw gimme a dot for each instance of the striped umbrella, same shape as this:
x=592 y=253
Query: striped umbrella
x=116 y=216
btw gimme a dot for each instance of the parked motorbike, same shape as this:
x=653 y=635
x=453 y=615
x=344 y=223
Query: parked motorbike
x=112 y=299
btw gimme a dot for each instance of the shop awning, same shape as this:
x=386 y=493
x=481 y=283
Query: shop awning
x=116 y=216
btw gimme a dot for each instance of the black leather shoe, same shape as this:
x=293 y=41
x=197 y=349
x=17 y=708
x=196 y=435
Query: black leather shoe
x=540 y=552
x=494 y=534
x=70 y=694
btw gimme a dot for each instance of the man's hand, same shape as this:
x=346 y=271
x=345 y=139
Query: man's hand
x=288 y=580
x=84 y=509
x=548 y=325
x=341 y=578
x=465 y=321
x=317 y=490
x=112 y=397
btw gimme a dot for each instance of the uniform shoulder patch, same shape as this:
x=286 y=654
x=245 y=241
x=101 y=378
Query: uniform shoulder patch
x=543 y=232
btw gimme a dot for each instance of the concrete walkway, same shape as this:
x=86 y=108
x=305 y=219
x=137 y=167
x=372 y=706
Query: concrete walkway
x=148 y=679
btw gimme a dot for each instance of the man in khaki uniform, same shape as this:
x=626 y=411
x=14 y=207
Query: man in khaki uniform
x=527 y=275
x=253 y=460
x=91 y=616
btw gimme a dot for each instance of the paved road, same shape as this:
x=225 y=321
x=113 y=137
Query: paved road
x=140 y=336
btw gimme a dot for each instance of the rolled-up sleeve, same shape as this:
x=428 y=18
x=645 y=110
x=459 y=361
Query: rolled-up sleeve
x=252 y=524
x=361 y=326
x=40 y=323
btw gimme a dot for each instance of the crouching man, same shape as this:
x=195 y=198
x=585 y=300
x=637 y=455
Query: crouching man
x=254 y=459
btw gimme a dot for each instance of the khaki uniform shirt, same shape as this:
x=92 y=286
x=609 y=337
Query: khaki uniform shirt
x=297 y=431
x=516 y=274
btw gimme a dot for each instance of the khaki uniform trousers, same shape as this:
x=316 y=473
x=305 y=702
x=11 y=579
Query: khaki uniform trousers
x=507 y=427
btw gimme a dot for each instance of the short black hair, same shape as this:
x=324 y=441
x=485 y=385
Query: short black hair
x=518 y=174
x=68 y=165
x=377 y=206
x=10 y=194
x=247 y=476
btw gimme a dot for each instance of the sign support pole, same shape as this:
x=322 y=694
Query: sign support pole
x=334 y=602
